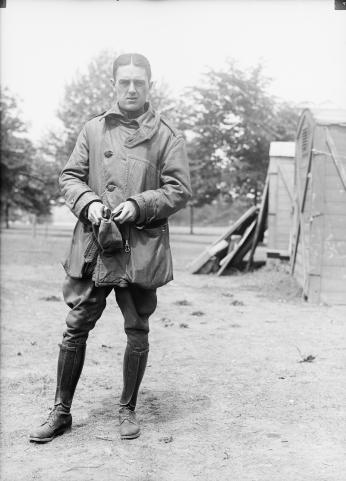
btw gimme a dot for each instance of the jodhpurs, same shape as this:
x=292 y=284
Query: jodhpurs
x=87 y=303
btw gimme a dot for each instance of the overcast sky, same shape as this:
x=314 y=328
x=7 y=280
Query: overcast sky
x=302 y=44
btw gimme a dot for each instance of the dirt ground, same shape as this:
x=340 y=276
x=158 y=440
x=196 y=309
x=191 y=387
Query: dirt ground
x=229 y=394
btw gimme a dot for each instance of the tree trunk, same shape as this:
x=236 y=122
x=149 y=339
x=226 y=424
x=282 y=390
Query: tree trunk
x=7 y=215
x=191 y=219
x=34 y=225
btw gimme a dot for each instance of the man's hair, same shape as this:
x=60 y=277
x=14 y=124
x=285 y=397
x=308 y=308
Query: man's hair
x=136 y=59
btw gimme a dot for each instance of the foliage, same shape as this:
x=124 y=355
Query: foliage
x=230 y=121
x=24 y=177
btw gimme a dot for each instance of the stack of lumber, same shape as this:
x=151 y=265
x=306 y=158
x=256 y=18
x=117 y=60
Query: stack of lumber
x=228 y=251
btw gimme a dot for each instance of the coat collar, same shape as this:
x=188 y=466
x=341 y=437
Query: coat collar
x=148 y=124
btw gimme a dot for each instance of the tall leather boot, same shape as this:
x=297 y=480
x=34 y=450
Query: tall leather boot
x=70 y=365
x=133 y=371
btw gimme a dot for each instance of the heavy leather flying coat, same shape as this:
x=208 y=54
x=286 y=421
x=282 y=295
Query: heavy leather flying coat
x=111 y=163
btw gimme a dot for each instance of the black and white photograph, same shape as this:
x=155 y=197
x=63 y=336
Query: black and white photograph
x=173 y=240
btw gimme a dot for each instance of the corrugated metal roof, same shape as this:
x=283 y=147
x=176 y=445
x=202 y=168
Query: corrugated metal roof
x=282 y=149
x=329 y=116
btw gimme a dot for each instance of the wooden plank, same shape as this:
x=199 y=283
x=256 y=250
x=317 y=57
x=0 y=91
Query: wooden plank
x=260 y=225
x=316 y=229
x=283 y=231
x=282 y=245
x=283 y=226
x=300 y=206
x=245 y=248
x=285 y=184
x=299 y=266
x=238 y=252
x=314 y=294
x=336 y=272
x=335 y=219
x=273 y=203
x=284 y=201
x=220 y=246
x=303 y=209
x=330 y=166
x=271 y=234
x=334 y=182
x=335 y=195
x=333 y=298
x=337 y=208
x=278 y=254
x=333 y=262
x=335 y=231
x=333 y=285
x=237 y=228
x=334 y=249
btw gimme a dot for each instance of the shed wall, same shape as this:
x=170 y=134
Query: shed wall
x=333 y=275
x=320 y=262
x=281 y=180
x=327 y=274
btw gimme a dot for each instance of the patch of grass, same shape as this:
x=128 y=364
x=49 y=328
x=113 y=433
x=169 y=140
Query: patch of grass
x=183 y=325
x=50 y=299
x=183 y=302
x=237 y=303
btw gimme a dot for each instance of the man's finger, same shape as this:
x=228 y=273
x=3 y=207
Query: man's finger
x=118 y=209
x=121 y=217
x=124 y=216
x=95 y=219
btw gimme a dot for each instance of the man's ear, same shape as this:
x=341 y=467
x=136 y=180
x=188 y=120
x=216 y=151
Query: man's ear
x=112 y=81
x=151 y=83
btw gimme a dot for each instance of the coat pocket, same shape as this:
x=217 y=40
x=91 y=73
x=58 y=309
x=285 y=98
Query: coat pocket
x=150 y=259
x=82 y=253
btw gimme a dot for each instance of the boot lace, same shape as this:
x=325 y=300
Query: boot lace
x=127 y=415
x=52 y=416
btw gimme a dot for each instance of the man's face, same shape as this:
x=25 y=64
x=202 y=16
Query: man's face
x=131 y=87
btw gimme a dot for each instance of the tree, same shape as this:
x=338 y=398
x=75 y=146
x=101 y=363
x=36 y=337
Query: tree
x=230 y=120
x=24 y=177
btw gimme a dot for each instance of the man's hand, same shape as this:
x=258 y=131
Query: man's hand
x=95 y=212
x=125 y=212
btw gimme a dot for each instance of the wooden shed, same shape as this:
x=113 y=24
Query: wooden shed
x=318 y=258
x=281 y=198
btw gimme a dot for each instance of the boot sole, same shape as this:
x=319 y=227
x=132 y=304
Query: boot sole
x=130 y=436
x=58 y=432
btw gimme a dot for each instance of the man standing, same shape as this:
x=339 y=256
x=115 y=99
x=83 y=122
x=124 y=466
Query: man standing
x=128 y=161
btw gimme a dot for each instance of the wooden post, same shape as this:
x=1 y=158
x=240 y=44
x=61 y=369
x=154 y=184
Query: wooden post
x=34 y=222
x=191 y=218
x=7 y=215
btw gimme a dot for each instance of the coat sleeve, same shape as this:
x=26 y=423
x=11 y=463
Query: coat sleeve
x=175 y=189
x=74 y=177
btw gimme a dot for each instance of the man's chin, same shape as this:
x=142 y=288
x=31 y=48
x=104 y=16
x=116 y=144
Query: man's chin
x=131 y=106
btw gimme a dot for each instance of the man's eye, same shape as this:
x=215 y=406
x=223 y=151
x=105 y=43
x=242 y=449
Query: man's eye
x=124 y=83
x=139 y=83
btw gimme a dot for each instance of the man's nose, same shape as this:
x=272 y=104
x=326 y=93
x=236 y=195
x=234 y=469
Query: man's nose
x=132 y=88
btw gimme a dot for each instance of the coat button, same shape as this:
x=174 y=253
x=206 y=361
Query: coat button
x=110 y=187
x=108 y=153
